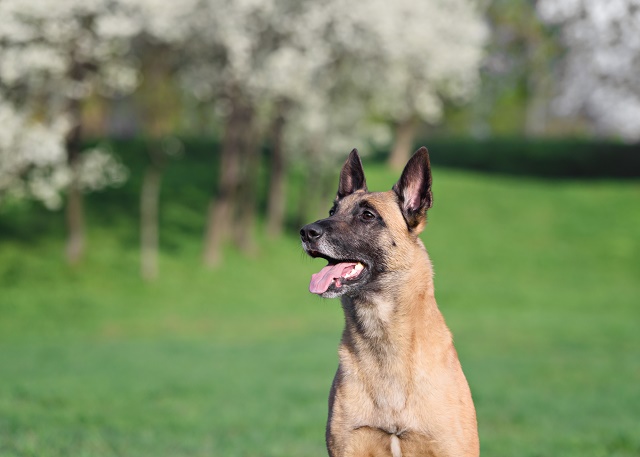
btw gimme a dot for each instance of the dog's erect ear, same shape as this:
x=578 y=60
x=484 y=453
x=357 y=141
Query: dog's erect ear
x=351 y=176
x=414 y=190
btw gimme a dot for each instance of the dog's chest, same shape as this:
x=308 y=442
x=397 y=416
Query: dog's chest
x=385 y=404
x=389 y=395
x=377 y=394
x=378 y=365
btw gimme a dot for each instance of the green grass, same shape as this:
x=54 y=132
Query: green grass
x=539 y=281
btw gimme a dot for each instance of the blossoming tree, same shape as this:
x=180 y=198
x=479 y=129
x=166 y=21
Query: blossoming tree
x=53 y=56
x=601 y=65
x=406 y=58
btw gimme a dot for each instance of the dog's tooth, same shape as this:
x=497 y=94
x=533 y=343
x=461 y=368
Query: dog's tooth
x=354 y=271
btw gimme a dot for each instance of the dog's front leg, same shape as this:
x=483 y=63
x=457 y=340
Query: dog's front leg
x=360 y=442
x=346 y=439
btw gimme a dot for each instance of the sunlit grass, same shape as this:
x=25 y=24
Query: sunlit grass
x=539 y=281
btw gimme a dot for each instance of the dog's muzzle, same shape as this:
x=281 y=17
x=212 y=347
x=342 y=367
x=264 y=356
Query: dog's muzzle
x=311 y=232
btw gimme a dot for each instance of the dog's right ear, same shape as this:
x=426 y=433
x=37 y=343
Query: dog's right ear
x=351 y=177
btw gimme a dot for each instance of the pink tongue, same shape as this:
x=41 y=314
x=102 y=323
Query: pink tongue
x=321 y=281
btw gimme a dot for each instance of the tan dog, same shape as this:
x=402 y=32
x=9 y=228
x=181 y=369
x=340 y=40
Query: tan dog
x=399 y=389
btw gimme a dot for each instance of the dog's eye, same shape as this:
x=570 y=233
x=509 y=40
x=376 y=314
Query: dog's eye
x=368 y=215
x=332 y=211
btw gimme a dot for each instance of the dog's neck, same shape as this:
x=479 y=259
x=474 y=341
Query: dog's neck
x=389 y=319
x=385 y=331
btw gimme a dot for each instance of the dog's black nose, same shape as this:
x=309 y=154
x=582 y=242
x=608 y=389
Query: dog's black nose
x=311 y=232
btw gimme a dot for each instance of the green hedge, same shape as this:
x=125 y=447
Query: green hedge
x=552 y=158
x=544 y=157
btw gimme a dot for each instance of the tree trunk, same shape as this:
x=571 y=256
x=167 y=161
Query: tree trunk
x=405 y=133
x=539 y=85
x=75 y=223
x=246 y=197
x=149 y=204
x=220 y=212
x=157 y=97
x=277 y=176
x=74 y=210
x=312 y=190
x=217 y=224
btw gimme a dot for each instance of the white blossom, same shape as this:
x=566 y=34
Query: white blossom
x=40 y=40
x=51 y=54
x=376 y=61
x=601 y=65
x=30 y=153
x=99 y=169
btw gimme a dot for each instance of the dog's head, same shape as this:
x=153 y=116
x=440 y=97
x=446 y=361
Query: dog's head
x=369 y=235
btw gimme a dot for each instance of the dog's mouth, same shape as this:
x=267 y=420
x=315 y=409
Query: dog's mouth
x=337 y=274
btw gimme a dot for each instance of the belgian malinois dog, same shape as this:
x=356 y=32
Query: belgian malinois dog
x=399 y=390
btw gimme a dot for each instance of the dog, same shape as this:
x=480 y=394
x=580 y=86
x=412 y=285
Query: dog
x=399 y=390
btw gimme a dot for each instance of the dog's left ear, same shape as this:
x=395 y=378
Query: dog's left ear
x=351 y=176
x=414 y=190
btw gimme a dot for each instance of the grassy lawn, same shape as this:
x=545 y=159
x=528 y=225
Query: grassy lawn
x=539 y=281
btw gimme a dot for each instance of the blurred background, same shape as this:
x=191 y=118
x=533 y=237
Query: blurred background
x=157 y=160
